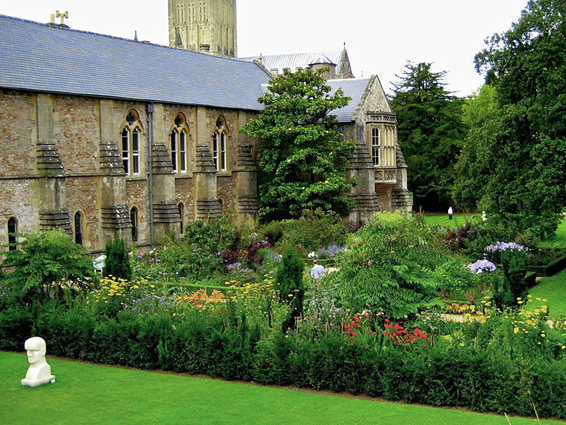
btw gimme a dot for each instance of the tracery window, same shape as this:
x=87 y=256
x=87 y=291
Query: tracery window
x=131 y=141
x=178 y=144
x=219 y=145
x=180 y=14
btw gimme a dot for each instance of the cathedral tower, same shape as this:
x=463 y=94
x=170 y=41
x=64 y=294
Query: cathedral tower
x=207 y=26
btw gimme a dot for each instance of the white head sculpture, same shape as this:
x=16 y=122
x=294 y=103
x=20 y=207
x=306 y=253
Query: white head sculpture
x=39 y=371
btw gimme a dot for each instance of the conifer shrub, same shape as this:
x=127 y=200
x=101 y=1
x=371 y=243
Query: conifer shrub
x=289 y=283
x=117 y=261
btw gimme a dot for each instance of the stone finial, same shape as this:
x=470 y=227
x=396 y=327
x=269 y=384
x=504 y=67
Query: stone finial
x=62 y=17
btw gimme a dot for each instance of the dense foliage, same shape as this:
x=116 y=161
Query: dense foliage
x=430 y=133
x=47 y=264
x=390 y=266
x=117 y=263
x=371 y=325
x=289 y=284
x=302 y=156
x=522 y=139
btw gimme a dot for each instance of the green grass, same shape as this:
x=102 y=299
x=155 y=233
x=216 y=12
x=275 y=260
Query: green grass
x=553 y=290
x=94 y=394
x=443 y=220
x=558 y=240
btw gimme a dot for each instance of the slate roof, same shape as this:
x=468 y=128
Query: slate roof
x=354 y=88
x=294 y=61
x=42 y=58
x=39 y=57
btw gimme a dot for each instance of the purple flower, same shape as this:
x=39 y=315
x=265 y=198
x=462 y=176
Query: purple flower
x=158 y=261
x=504 y=246
x=481 y=266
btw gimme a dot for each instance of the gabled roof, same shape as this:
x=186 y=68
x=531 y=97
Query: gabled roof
x=353 y=88
x=43 y=58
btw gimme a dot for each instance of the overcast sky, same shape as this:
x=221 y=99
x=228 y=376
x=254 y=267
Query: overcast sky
x=380 y=36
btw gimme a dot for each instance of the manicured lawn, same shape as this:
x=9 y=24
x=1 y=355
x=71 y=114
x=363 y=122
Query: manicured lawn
x=443 y=220
x=93 y=394
x=559 y=240
x=552 y=289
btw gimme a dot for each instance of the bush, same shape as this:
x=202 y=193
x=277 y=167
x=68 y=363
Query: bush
x=48 y=264
x=16 y=324
x=117 y=262
x=390 y=266
x=312 y=231
x=289 y=283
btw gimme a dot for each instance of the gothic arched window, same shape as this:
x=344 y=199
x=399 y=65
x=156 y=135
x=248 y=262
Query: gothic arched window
x=12 y=231
x=134 y=221
x=219 y=145
x=178 y=143
x=131 y=143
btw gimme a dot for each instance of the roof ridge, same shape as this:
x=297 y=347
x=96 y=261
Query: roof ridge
x=148 y=43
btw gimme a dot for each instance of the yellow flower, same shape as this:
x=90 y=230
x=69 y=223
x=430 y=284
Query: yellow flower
x=516 y=330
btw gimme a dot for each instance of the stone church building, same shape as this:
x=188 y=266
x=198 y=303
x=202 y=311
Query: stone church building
x=109 y=138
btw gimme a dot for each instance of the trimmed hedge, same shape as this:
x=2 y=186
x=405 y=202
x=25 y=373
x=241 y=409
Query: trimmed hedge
x=551 y=268
x=483 y=379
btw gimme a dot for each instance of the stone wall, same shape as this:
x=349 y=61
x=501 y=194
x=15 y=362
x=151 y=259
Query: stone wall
x=62 y=155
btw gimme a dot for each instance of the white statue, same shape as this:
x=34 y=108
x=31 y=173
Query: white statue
x=39 y=371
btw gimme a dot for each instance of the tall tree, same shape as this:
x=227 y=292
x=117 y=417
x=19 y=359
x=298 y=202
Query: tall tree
x=303 y=157
x=526 y=65
x=430 y=133
x=476 y=160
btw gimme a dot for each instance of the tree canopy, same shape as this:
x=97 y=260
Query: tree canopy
x=302 y=156
x=516 y=159
x=430 y=133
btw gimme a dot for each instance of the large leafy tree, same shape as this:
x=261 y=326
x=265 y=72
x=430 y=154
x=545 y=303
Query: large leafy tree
x=526 y=134
x=303 y=158
x=476 y=160
x=430 y=133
